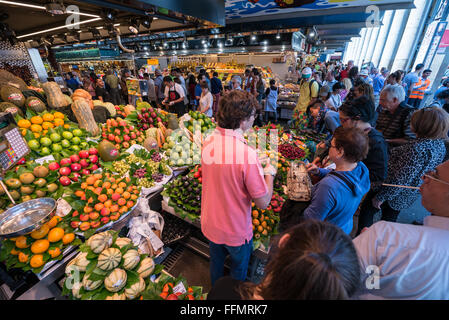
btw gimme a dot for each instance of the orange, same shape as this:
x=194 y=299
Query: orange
x=58 y=122
x=114 y=186
x=40 y=246
x=112 y=180
x=87 y=209
x=90 y=180
x=108 y=204
x=54 y=253
x=126 y=195
x=119 y=190
x=24 y=123
x=68 y=237
x=121 y=202
x=130 y=188
x=123 y=210
x=14 y=252
x=48 y=117
x=98 y=176
x=21 y=242
x=79 y=193
x=256 y=222
x=260 y=228
x=37 y=261
x=66 y=126
x=58 y=115
x=41 y=232
x=110 y=191
x=114 y=208
x=134 y=197
x=54 y=221
x=23 y=257
x=102 y=198
x=130 y=204
x=122 y=185
x=47 y=125
x=37 y=135
x=265 y=232
x=107 y=185
x=264 y=224
x=55 y=234
x=99 y=206
x=36 y=128
x=83 y=185
x=136 y=191
x=36 y=120
x=255 y=213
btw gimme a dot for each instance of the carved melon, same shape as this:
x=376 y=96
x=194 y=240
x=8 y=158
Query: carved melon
x=82 y=262
x=100 y=242
x=109 y=259
x=135 y=290
x=116 y=296
x=121 y=242
x=131 y=259
x=146 y=267
x=116 y=280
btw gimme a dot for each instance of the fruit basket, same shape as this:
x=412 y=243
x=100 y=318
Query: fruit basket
x=108 y=268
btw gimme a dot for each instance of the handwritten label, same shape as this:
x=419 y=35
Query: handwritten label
x=42 y=160
x=179 y=288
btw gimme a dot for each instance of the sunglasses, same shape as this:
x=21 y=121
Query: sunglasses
x=434 y=176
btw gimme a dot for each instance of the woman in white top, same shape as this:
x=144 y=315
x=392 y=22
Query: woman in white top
x=206 y=100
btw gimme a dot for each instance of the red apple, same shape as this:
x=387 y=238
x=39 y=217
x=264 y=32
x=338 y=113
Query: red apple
x=143 y=110
x=75 y=214
x=75 y=224
x=84 y=163
x=153 y=115
x=93 y=159
x=104 y=220
x=76 y=176
x=84 y=154
x=65 y=162
x=75 y=167
x=105 y=212
x=65 y=171
x=94 y=224
x=172 y=297
x=53 y=166
x=150 y=110
x=65 y=181
x=93 y=151
x=85 y=172
x=111 y=137
x=94 y=167
x=126 y=137
x=84 y=217
x=133 y=135
x=74 y=158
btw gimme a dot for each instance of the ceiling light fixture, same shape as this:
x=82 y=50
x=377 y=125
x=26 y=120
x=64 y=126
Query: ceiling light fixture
x=14 y=3
x=278 y=35
x=146 y=22
x=108 y=15
x=58 y=28
x=253 y=38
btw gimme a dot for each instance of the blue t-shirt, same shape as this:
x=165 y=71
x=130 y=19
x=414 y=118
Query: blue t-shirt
x=335 y=201
x=409 y=79
x=332 y=120
x=378 y=83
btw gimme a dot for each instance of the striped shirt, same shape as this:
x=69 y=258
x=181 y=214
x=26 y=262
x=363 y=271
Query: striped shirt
x=396 y=125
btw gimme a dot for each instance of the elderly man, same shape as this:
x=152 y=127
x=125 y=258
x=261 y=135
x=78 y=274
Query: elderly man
x=404 y=261
x=394 y=119
x=236 y=83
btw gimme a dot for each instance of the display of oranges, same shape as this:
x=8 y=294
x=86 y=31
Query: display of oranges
x=38 y=124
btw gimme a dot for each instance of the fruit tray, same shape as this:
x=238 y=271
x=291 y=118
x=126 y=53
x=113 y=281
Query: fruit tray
x=157 y=187
x=167 y=208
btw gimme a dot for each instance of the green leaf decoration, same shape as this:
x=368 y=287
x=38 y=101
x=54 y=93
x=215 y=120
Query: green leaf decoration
x=125 y=248
x=158 y=269
x=91 y=266
x=89 y=233
x=133 y=277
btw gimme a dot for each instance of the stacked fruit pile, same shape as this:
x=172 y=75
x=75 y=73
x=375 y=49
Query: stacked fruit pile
x=145 y=168
x=77 y=165
x=291 y=151
x=185 y=194
x=118 y=131
x=199 y=122
x=100 y=198
x=182 y=151
x=28 y=182
x=169 y=288
x=147 y=117
x=108 y=268
x=58 y=142
x=40 y=124
x=34 y=250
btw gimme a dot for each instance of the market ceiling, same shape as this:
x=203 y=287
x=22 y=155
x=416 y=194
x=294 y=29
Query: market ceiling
x=336 y=21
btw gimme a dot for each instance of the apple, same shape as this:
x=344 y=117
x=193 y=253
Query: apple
x=140 y=117
x=133 y=135
x=143 y=110
x=114 y=217
x=84 y=163
x=65 y=181
x=159 y=120
x=118 y=139
x=104 y=220
x=84 y=226
x=94 y=167
x=93 y=158
x=126 y=137
x=117 y=132
x=85 y=172
x=111 y=137
x=122 y=123
x=94 y=215
x=84 y=154
x=153 y=115
x=126 y=131
x=75 y=167
x=65 y=162
x=94 y=224
x=53 y=166
x=76 y=176
x=65 y=171
x=146 y=115
x=74 y=158
x=104 y=135
x=150 y=110
x=93 y=151
x=75 y=224
x=150 y=120
x=172 y=297
x=84 y=217
x=105 y=212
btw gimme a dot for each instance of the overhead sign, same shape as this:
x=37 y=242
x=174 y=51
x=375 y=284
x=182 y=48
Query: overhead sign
x=298 y=41
x=430 y=43
x=78 y=54
x=153 y=62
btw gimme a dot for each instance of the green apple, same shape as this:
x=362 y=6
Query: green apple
x=67 y=135
x=56 y=147
x=45 y=151
x=34 y=144
x=76 y=140
x=76 y=148
x=77 y=132
x=174 y=156
x=55 y=137
x=45 y=141
x=65 y=143
x=180 y=162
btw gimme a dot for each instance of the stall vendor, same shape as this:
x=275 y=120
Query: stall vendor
x=174 y=97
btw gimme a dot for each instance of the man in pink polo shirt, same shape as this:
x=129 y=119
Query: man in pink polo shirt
x=232 y=178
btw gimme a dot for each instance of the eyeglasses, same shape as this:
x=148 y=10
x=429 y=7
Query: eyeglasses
x=434 y=176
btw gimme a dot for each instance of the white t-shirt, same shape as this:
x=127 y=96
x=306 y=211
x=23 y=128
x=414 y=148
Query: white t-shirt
x=178 y=88
x=335 y=101
x=206 y=102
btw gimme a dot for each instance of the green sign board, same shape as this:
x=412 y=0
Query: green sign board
x=77 y=54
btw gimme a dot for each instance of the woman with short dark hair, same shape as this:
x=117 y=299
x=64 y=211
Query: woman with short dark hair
x=315 y=261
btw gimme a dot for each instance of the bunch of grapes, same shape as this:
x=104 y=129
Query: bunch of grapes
x=156 y=157
x=157 y=177
x=132 y=158
x=145 y=183
x=140 y=173
x=121 y=167
x=165 y=169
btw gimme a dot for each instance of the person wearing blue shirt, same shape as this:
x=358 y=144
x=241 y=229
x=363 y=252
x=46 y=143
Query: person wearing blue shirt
x=378 y=84
x=443 y=87
x=198 y=89
x=216 y=90
x=336 y=197
x=411 y=79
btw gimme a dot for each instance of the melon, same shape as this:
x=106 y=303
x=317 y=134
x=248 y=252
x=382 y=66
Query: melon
x=55 y=97
x=146 y=267
x=13 y=95
x=6 y=105
x=111 y=108
x=90 y=285
x=100 y=242
x=15 y=111
x=35 y=104
x=69 y=100
x=116 y=280
x=131 y=259
x=71 y=267
x=76 y=290
x=109 y=259
x=135 y=290
x=121 y=242
x=82 y=262
x=107 y=151
x=172 y=122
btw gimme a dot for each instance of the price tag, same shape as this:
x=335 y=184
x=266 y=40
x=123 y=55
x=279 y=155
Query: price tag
x=156 y=243
x=63 y=208
x=42 y=160
x=179 y=288
x=134 y=148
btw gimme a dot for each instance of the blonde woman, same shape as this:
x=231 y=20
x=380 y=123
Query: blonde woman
x=348 y=86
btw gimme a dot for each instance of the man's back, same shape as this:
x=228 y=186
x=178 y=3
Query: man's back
x=112 y=81
x=413 y=261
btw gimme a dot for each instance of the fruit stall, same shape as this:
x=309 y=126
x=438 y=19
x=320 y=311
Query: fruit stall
x=97 y=184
